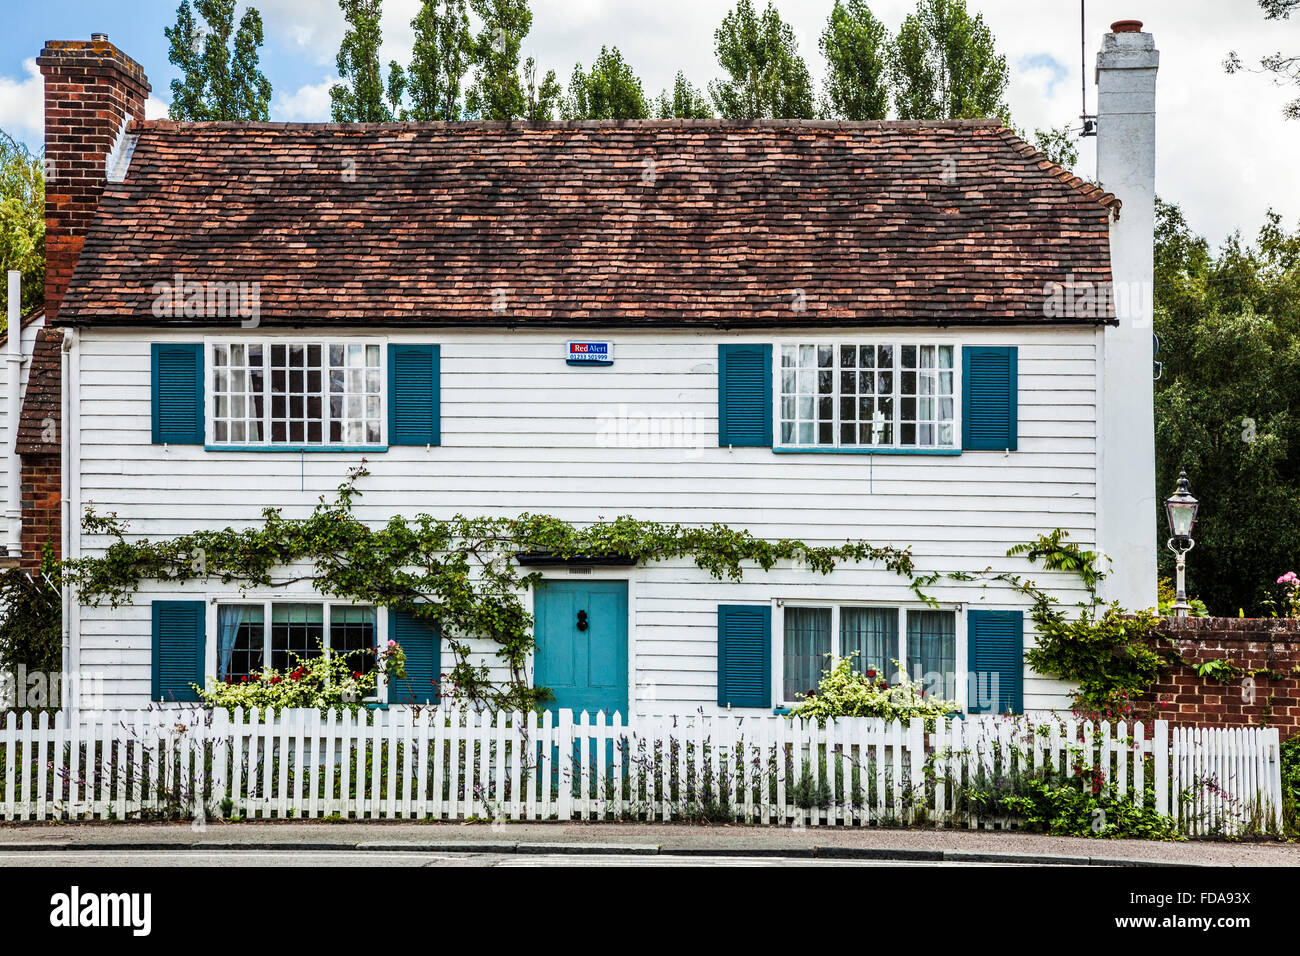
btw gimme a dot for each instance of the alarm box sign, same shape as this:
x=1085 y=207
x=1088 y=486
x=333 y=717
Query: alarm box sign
x=591 y=353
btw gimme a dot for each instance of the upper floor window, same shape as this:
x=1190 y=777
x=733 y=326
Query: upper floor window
x=297 y=393
x=892 y=395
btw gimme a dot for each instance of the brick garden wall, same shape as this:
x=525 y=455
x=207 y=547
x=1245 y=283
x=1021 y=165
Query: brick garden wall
x=1255 y=645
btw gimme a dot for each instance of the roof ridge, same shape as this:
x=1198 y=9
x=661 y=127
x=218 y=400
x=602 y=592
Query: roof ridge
x=1058 y=172
x=236 y=125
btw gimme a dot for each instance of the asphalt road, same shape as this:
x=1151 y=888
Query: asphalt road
x=291 y=857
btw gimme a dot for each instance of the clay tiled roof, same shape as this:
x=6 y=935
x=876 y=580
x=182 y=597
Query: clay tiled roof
x=39 y=423
x=600 y=224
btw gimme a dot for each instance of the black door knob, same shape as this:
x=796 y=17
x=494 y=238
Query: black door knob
x=582 y=620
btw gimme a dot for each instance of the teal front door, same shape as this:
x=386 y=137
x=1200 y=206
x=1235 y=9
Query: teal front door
x=581 y=652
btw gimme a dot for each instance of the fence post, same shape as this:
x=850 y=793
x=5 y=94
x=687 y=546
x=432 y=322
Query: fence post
x=564 y=759
x=1160 y=746
x=916 y=751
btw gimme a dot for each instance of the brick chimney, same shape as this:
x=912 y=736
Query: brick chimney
x=92 y=90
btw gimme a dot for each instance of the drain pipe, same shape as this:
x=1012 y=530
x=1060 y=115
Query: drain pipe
x=13 y=399
x=65 y=511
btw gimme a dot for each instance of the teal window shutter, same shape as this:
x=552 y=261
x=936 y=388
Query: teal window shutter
x=995 y=643
x=414 y=395
x=745 y=395
x=744 y=655
x=419 y=641
x=988 y=398
x=179 y=643
x=177 y=375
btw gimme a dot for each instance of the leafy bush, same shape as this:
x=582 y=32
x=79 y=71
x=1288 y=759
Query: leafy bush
x=323 y=682
x=1167 y=595
x=1291 y=787
x=845 y=693
x=31 y=622
x=1106 y=650
x=1082 y=803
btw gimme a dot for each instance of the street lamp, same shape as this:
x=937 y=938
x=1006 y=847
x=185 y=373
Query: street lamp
x=1181 y=510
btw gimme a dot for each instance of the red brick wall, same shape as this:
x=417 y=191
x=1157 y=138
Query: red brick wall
x=41 y=500
x=1266 y=694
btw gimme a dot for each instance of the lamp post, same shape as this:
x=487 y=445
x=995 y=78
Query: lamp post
x=1180 y=508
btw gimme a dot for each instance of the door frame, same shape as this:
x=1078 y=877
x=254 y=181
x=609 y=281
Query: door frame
x=560 y=575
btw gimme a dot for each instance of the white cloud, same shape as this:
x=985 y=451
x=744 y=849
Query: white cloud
x=154 y=108
x=22 y=106
x=307 y=104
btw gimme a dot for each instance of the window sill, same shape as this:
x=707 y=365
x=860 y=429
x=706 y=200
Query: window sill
x=299 y=448
x=828 y=450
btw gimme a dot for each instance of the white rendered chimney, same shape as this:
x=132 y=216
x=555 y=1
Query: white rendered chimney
x=1126 y=150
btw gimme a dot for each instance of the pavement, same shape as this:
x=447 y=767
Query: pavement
x=430 y=843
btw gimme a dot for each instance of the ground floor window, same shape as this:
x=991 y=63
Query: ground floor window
x=305 y=629
x=812 y=636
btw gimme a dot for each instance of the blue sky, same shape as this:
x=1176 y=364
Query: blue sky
x=1224 y=152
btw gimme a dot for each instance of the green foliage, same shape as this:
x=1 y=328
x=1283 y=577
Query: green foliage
x=459 y=574
x=766 y=76
x=686 y=101
x=609 y=90
x=216 y=81
x=1284 y=67
x=363 y=98
x=856 y=47
x=440 y=60
x=22 y=224
x=497 y=92
x=1107 y=650
x=945 y=65
x=1220 y=669
x=1082 y=803
x=846 y=691
x=1290 y=771
x=1167 y=596
x=542 y=96
x=1058 y=145
x=1227 y=406
x=31 y=622
x=322 y=682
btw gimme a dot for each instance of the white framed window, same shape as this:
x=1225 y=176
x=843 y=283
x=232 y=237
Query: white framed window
x=867 y=394
x=252 y=636
x=293 y=393
x=809 y=636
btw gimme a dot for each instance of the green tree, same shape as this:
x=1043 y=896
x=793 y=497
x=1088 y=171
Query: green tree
x=542 y=96
x=1228 y=405
x=498 y=92
x=216 y=81
x=686 y=101
x=609 y=90
x=1285 y=67
x=22 y=224
x=439 y=61
x=363 y=97
x=766 y=76
x=1057 y=144
x=856 y=47
x=944 y=64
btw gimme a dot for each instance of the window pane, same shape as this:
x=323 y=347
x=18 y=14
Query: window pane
x=297 y=629
x=241 y=640
x=807 y=642
x=352 y=633
x=873 y=633
x=932 y=650
x=807 y=394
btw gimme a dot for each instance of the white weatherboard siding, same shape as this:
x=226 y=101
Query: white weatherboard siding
x=522 y=431
x=9 y=416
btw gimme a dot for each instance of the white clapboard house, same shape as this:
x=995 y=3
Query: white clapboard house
x=893 y=331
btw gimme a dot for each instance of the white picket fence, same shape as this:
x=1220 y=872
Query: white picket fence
x=447 y=764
